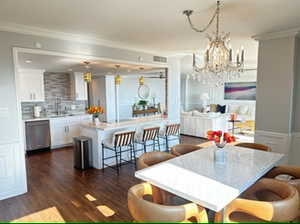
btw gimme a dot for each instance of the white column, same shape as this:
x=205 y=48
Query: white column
x=110 y=98
x=117 y=103
x=174 y=89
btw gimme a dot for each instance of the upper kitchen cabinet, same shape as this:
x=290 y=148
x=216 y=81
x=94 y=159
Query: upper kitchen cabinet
x=78 y=86
x=32 y=85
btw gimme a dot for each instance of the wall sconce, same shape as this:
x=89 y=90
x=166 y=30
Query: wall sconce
x=141 y=80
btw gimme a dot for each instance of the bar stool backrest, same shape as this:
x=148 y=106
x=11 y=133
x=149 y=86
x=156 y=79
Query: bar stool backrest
x=172 y=129
x=150 y=133
x=124 y=138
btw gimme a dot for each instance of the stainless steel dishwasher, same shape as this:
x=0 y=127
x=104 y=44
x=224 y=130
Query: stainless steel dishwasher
x=37 y=135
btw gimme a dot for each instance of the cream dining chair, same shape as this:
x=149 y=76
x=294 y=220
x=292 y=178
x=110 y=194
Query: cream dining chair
x=146 y=211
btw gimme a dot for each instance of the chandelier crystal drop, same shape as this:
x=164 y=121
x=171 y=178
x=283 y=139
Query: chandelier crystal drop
x=219 y=65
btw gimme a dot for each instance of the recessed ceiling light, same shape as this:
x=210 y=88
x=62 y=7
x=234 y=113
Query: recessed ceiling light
x=28 y=61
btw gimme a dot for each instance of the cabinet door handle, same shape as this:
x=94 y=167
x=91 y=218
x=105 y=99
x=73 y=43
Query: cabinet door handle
x=34 y=96
x=65 y=129
x=30 y=96
x=68 y=129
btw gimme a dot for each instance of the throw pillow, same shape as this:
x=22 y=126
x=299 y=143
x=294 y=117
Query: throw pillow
x=243 y=110
x=213 y=108
x=221 y=109
x=233 y=108
x=197 y=113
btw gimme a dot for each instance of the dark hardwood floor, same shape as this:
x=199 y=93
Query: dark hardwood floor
x=55 y=188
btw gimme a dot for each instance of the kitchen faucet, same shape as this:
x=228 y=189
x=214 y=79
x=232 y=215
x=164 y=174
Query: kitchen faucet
x=58 y=105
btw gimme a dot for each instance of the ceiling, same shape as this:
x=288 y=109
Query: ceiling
x=154 y=25
x=53 y=63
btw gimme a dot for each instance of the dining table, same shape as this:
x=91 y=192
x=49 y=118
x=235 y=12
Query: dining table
x=200 y=178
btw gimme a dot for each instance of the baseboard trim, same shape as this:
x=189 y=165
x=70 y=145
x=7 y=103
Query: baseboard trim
x=272 y=134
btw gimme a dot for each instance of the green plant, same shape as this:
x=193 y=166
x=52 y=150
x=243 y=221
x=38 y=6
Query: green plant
x=142 y=103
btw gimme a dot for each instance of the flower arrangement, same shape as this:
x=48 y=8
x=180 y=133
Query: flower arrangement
x=95 y=111
x=220 y=138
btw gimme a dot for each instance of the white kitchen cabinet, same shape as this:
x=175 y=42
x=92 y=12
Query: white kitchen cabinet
x=59 y=133
x=32 y=85
x=73 y=131
x=78 y=86
x=64 y=129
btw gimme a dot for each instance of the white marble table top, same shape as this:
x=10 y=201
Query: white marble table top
x=197 y=177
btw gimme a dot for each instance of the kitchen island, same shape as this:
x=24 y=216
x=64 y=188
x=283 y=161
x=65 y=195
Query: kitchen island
x=104 y=132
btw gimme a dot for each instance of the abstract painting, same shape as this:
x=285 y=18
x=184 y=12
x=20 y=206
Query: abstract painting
x=240 y=91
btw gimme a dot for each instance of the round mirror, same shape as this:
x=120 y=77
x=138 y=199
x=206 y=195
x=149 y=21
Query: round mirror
x=144 y=92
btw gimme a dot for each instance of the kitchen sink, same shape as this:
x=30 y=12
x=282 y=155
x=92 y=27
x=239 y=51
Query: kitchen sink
x=62 y=115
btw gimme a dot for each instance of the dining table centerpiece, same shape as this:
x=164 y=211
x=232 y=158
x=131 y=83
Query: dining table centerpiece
x=220 y=138
x=95 y=111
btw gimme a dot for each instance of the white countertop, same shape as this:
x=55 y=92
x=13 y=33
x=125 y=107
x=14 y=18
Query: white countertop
x=49 y=117
x=197 y=177
x=124 y=124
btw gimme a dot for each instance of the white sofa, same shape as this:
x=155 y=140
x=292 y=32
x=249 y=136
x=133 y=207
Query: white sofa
x=197 y=124
x=244 y=111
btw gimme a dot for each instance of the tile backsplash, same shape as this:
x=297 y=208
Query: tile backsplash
x=57 y=86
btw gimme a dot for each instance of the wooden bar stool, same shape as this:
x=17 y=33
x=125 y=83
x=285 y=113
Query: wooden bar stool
x=171 y=130
x=120 y=140
x=149 y=134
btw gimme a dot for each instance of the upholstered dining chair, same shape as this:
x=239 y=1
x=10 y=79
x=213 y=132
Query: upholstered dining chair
x=292 y=176
x=293 y=173
x=146 y=211
x=268 y=200
x=149 y=159
x=254 y=146
x=182 y=149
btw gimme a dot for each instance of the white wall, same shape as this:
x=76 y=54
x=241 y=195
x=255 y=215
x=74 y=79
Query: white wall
x=275 y=83
x=277 y=95
x=128 y=93
x=194 y=89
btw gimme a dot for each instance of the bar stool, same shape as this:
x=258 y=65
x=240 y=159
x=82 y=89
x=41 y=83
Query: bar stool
x=171 y=130
x=120 y=140
x=149 y=134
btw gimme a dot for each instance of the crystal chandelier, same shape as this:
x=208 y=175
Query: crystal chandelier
x=219 y=66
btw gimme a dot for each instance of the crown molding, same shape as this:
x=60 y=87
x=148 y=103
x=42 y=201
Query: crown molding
x=280 y=34
x=36 y=31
